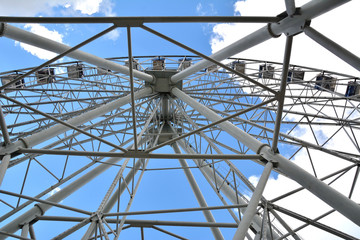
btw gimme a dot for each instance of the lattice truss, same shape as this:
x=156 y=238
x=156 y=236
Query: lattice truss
x=165 y=146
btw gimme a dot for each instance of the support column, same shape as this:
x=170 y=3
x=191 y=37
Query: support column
x=282 y=91
x=225 y=189
x=32 y=232
x=198 y=194
x=3 y=126
x=333 y=47
x=3 y=166
x=25 y=230
x=251 y=208
x=329 y=195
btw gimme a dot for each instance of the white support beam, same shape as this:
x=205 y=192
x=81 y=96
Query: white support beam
x=341 y=203
x=251 y=208
x=25 y=230
x=333 y=47
x=289 y=24
x=290 y=7
x=3 y=166
x=57 y=129
x=225 y=189
x=197 y=192
x=32 y=39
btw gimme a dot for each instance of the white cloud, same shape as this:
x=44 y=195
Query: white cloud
x=199 y=8
x=113 y=35
x=87 y=7
x=48 y=8
x=205 y=10
x=307 y=53
x=44 y=32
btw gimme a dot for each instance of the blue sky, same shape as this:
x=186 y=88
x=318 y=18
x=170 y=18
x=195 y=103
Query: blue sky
x=205 y=38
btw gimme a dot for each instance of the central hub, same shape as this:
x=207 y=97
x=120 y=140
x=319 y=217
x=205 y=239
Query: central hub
x=162 y=83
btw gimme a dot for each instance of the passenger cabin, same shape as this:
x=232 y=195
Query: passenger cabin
x=353 y=89
x=184 y=63
x=11 y=77
x=238 y=66
x=325 y=82
x=266 y=71
x=212 y=68
x=135 y=64
x=158 y=63
x=295 y=75
x=45 y=75
x=75 y=71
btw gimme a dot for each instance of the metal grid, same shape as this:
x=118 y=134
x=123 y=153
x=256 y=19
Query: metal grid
x=109 y=121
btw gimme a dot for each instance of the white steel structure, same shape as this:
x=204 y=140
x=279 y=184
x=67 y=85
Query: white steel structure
x=98 y=130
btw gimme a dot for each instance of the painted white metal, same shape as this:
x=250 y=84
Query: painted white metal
x=20 y=35
x=46 y=134
x=198 y=194
x=329 y=195
x=3 y=166
x=225 y=189
x=333 y=47
x=251 y=208
x=308 y=12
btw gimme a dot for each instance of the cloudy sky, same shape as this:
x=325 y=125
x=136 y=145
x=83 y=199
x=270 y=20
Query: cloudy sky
x=207 y=38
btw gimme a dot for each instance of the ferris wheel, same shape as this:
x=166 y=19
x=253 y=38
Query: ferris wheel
x=168 y=146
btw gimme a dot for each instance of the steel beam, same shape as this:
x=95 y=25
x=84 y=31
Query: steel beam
x=119 y=227
x=129 y=177
x=32 y=232
x=64 y=123
x=329 y=195
x=136 y=21
x=232 y=166
x=287 y=25
x=209 y=125
x=59 y=128
x=41 y=208
x=3 y=166
x=25 y=230
x=213 y=61
x=52 y=145
x=140 y=154
x=197 y=192
x=314 y=223
x=20 y=35
x=281 y=95
x=225 y=189
x=144 y=223
x=174 y=210
x=290 y=7
x=45 y=202
x=25 y=204
x=333 y=47
x=3 y=126
x=254 y=201
x=131 y=73
x=58 y=57
x=72 y=229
